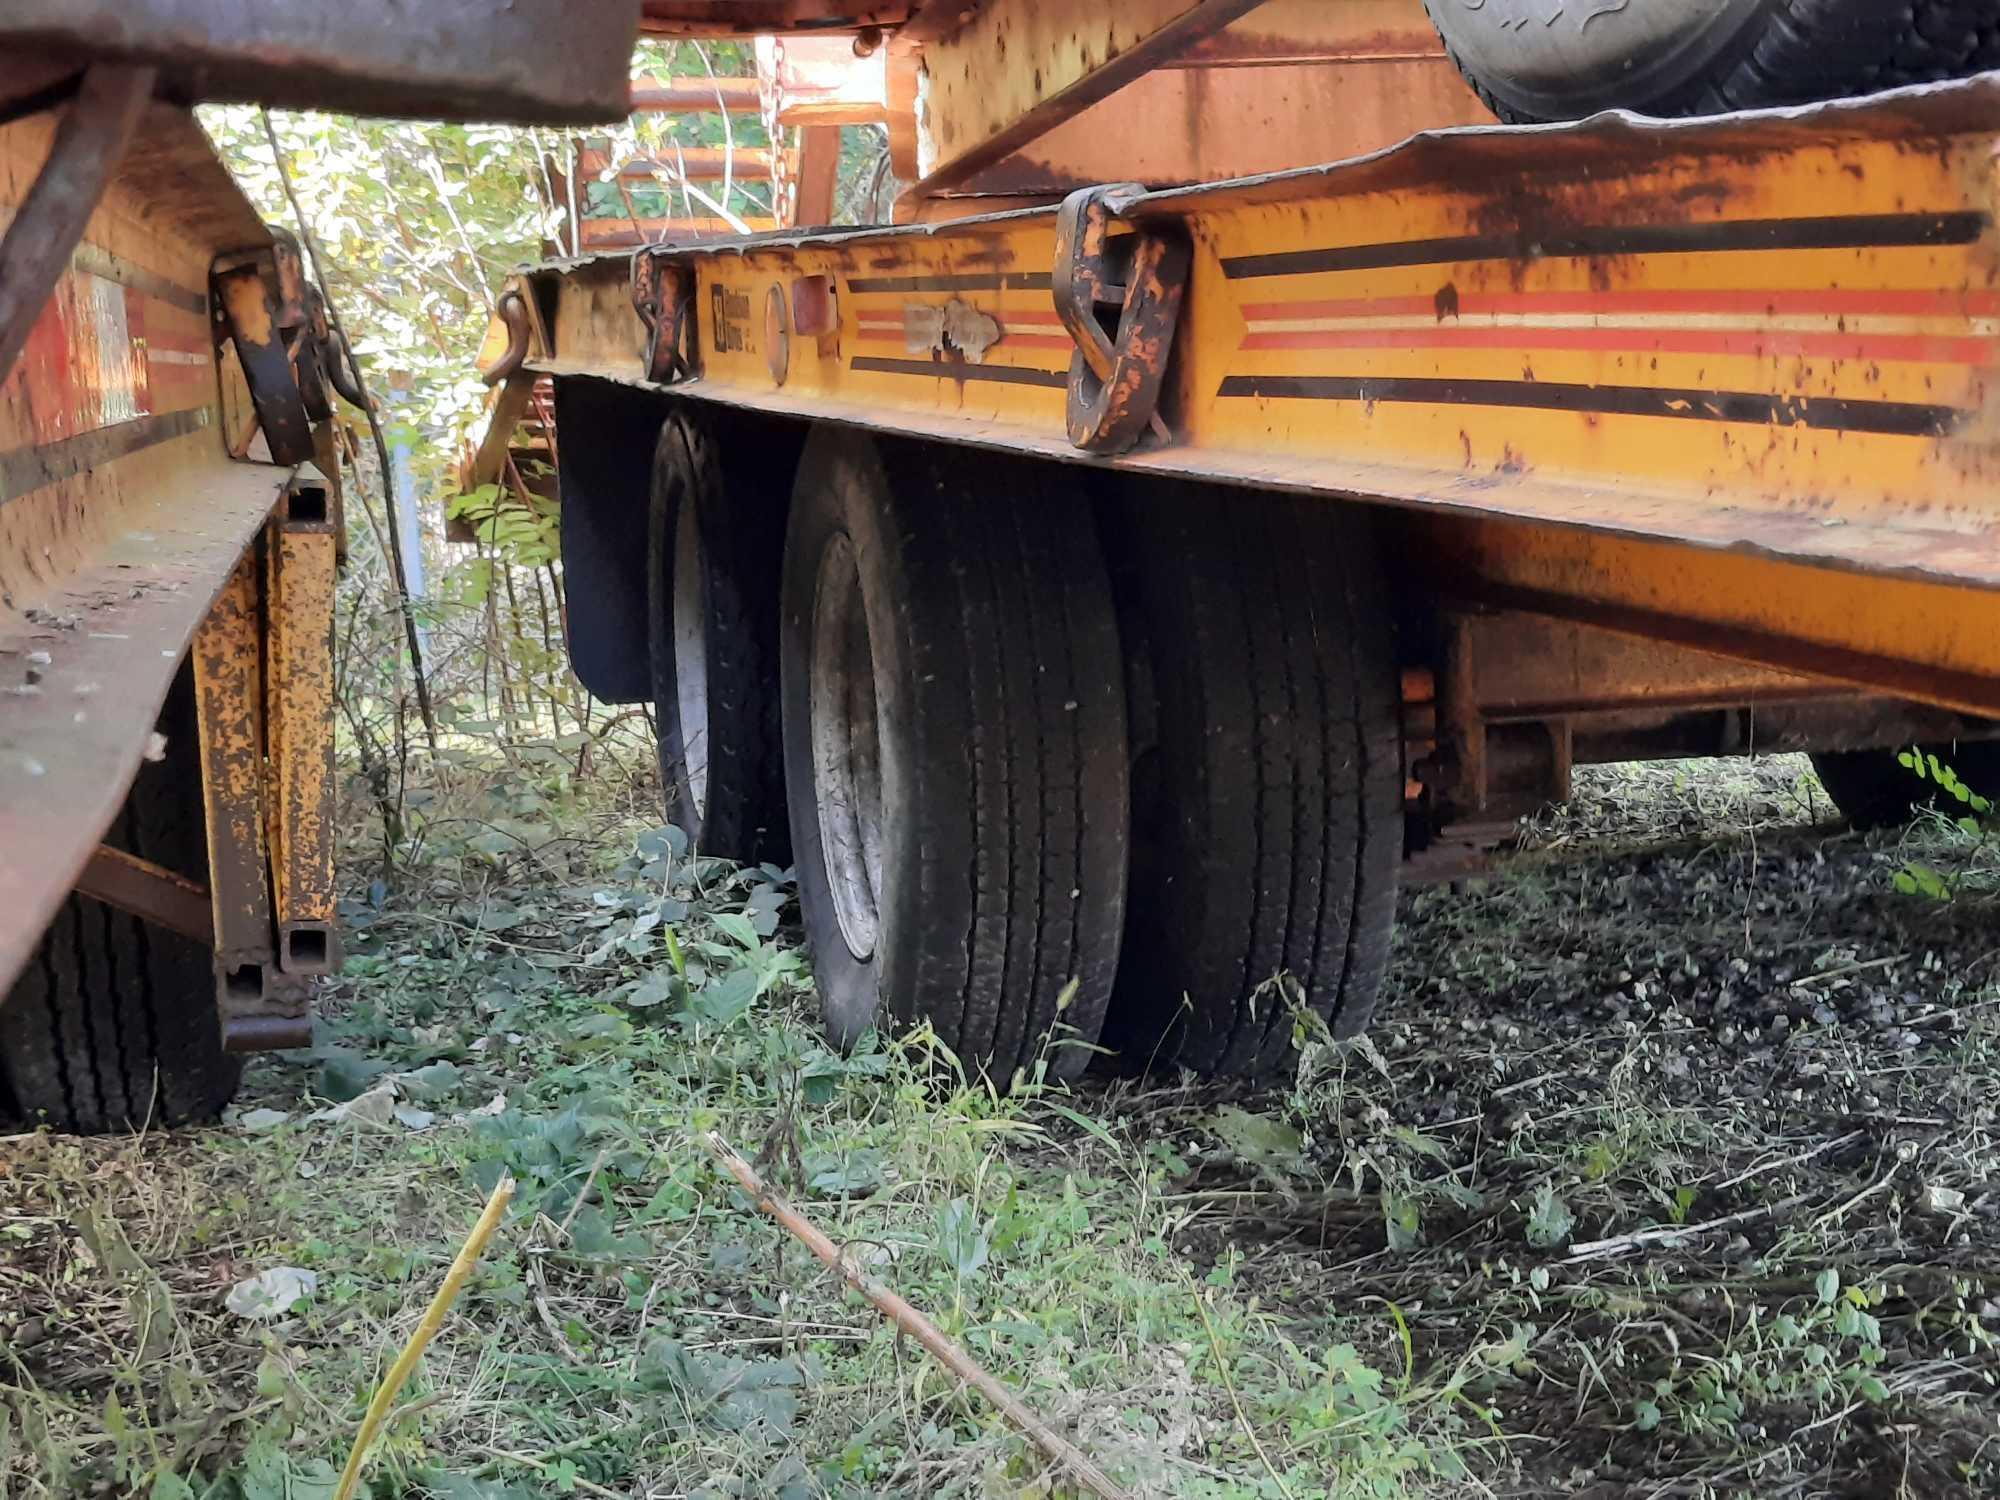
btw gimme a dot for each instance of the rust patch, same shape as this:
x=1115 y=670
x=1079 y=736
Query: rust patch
x=955 y=329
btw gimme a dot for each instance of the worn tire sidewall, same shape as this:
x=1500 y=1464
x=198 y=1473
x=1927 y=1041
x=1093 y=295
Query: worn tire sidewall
x=672 y=486
x=842 y=491
x=1637 y=80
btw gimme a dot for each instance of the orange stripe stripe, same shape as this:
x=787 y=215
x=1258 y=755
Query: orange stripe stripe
x=1915 y=347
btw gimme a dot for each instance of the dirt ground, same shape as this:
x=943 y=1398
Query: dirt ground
x=1669 y=1169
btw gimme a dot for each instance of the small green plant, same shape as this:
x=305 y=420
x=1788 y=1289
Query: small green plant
x=1968 y=828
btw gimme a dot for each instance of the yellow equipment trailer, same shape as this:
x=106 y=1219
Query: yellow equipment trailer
x=1107 y=581
x=169 y=518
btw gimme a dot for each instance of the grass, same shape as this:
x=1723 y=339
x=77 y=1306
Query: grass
x=1379 y=1281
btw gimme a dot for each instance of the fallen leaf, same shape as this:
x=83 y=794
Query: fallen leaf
x=270 y=1294
x=372 y=1108
x=1942 y=1200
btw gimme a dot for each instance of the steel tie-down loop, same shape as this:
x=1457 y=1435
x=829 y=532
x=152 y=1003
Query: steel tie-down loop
x=513 y=311
x=1115 y=381
x=663 y=296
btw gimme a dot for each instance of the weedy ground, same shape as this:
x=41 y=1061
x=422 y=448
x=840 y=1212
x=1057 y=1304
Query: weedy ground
x=1669 y=1169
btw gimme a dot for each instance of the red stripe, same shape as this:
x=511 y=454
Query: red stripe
x=1778 y=304
x=1917 y=347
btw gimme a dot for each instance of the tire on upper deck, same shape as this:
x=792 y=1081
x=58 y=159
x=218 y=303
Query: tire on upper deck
x=113 y=1024
x=1703 y=57
x=715 y=546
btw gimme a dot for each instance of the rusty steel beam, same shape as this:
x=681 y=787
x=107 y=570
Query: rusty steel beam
x=629 y=234
x=1292 y=81
x=1020 y=68
x=1287 y=33
x=43 y=234
x=818 y=164
x=298 y=708
x=1524 y=666
x=149 y=892
x=267 y=1031
x=700 y=163
x=1522 y=697
x=229 y=686
x=439 y=59
x=1839 y=721
x=702 y=18
x=694 y=96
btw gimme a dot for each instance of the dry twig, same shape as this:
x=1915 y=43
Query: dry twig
x=1620 y=1243
x=907 y=1318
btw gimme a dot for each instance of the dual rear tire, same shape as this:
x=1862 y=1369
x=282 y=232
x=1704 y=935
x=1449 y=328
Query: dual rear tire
x=113 y=1024
x=715 y=536
x=1066 y=771
x=954 y=724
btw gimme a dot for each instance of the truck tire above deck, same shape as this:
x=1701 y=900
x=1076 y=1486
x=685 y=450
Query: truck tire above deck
x=715 y=547
x=1267 y=812
x=113 y=1025
x=955 y=756
x=1704 y=57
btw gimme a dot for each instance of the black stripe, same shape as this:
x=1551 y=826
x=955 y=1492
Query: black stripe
x=939 y=370
x=1899 y=418
x=984 y=281
x=117 y=268
x=1843 y=232
x=26 y=469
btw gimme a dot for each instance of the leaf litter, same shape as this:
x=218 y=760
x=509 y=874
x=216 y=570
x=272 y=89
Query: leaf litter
x=1694 y=1021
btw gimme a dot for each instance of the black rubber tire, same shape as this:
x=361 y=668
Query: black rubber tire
x=1873 y=789
x=737 y=510
x=998 y=707
x=1267 y=817
x=113 y=1025
x=1725 y=57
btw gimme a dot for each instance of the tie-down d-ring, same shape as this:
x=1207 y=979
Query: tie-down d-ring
x=1115 y=380
x=663 y=296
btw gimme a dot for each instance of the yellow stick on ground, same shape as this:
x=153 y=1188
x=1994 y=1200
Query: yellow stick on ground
x=433 y=1319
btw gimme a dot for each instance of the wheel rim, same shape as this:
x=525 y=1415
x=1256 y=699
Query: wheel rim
x=691 y=655
x=846 y=749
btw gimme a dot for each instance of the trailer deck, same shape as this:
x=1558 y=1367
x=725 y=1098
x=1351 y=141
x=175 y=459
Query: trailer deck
x=1722 y=381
